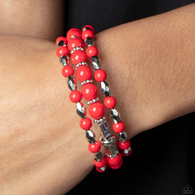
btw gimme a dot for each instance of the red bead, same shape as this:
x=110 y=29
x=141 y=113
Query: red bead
x=83 y=73
x=67 y=70
x=115 y=160
x=89 y=26
x=119 y=127
x=61 y=39
x=78 y=56
x=96 y=110
x=89 y=91
x=98 y=169
x=91 y=51
x=94 y=148
x=74 y=32
x=62 y=51
x=72 y=43
x=101 y=163
x=85 y=123
x=110 y=102
x=124 y=145
x=75 y=96
x=100 y=75
x=117 y=166
x=87 y=33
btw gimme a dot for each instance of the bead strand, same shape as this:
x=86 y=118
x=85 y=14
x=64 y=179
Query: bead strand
x=109 y=101
x=75 y=96
x=96 y=110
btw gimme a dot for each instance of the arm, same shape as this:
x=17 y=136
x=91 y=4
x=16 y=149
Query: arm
x=152 y=61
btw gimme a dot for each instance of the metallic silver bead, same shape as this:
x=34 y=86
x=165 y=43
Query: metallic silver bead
x=98 y=156
x=63 y=60
x=115 y=115
x=127 y=151
x=72 y=83
x=93 y=101
x=123 y=136
x=61 y=43
x=89 y=41
x=80 y=110
x=90 y=135
x=100 y=120
x=96 y=62
x=105 y=88
x=110 y=146
x=102 y=168
x=76 y=48
x=105 y=129
x=87 y=81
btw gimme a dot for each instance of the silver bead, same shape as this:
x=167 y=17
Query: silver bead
x=87 y=81
x=93 y=101
x=96 y=62
x=63 y=60
x=105 y=129
x=127 y=151
x=72 y=83
x=123 y=136
x=115 y=115
x=90 y=135
x=102 y=168
x=80 y=110
x=98 y=156
x=110 y=146
x=105 y=88
x=76 y=48
x=89 y=41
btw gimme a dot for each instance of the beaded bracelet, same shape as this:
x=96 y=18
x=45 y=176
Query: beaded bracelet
x=73 y=45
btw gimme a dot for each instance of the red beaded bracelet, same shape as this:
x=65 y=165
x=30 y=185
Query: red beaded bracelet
x=73 y=44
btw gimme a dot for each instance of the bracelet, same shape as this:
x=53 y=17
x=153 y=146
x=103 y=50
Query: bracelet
x=73 y=45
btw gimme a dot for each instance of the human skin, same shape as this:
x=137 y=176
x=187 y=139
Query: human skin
x=150 y=71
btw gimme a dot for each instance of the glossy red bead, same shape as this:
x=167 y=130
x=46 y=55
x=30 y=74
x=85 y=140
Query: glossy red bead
x=117 y=166
x=124 y=145
x=78 y=56
x=61 y=39
x=75 y=96
x=110 y=102
x=74 y=32
x=67 y=70
x=89 y=91
x=115 y=160
x=91 y=51
x=94 y=148
x=96 y=110
x=87 y=33
x=72 y=43
x=85 y=123
x=89 y=26
x=101 y=163
x=100 y=75
x=83 y=73
x=119 y=127
x=62 y=51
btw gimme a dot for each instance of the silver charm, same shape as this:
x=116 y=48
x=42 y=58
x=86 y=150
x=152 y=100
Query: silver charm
x=90 y=135
x=110 y=146
x=98 y=156
x=105 y=88
x=115 y=115
x=89 y=41
x=64 y=59
x=80 y=110
x=123 y=136
x=105 y=129
x=96 y=62
x=72 y=84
